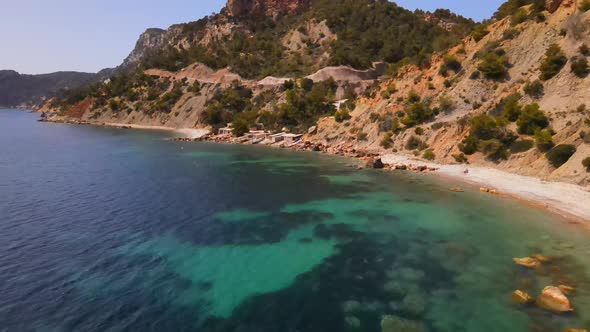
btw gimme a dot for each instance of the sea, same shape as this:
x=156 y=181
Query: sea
x=105 y=229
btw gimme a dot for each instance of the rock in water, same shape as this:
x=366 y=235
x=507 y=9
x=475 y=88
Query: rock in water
x=567 y=290
x=396 y=324
x=378 y=164
x=575 y=330
x=527 y=262
x=521 y=297
x=553 y=299
x=353 y=322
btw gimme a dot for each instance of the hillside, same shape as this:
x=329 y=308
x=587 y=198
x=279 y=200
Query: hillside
x=509 y=93
x=18 y=89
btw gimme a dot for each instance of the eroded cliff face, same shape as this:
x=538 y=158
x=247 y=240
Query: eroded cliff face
x=263 y=7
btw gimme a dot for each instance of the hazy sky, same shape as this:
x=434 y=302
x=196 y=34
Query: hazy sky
x=41 y=36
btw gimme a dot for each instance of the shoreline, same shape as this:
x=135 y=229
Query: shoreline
x=567 y=200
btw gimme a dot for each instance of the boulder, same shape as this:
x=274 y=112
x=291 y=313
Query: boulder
x=375 y=163
x=457 y=189
x=553 y=299
x=521 y=297
x=527 y=262
x=352 y=322
x=553 y=5
x=541 y=258
x=574 y=330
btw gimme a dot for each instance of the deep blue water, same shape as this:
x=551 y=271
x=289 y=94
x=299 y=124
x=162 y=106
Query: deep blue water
x=117 y=230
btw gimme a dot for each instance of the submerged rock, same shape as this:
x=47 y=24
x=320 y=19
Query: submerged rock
x=553 y=299
x=414 y=304
x=541 y=258
x=521 y=297
x=352 y=322
x=396 y=324
x=351 y=306
x=527 y=262
x=567 y=290
x=395 y=288
x=575 y=330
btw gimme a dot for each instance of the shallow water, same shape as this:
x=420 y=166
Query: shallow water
x=116 y=230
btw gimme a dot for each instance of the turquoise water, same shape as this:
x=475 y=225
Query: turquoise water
x=116 y=230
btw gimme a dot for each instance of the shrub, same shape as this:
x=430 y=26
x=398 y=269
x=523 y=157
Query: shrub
x=554 y=61
x=342 y=115
x=480 y=31
x=534 y=89
x=417 y=113
x=419 y=131
x=385 y=94
x=488 y=136
x=519 y=16
x=389 y=124
x=386 y=141
x=429 y=155
x=584 y=50
x=460 y=158
x=560 y=154
x=475 y=75
x=414 y=143
x=196 y=88
x=446 y=104
x=522 y=146
x=586 y=163
x=544 y=140
x=240 y=127
x=510 y=34
x=585 y=5
x=450 y=62
x=531 y=119
x=361 y=136
x=511 y=108
x=579 y=66
x=413 y=97
x=493 y=65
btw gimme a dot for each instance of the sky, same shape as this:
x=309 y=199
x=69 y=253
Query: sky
x=43 y=36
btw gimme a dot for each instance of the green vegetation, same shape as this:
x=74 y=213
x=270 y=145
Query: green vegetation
x=534 y=89
x=579 y=66
x=479 y=32
x=586 y=163
x=513 y=8
x=460 y=158
x=544 y=140
x=488 y=136
x=584 y=50
x=560 y=154
x=554 y=61
x=450 y=63
x=342 y=115
x=511 y=109
x=519 y=16
x=531 y=119
x=510 y=34
x=387 y=140
x=585 y=5
x=494 y=65
x=522 y=146
x=429 y=155
x=367 y=31
x=417 y=113
x=414 y=143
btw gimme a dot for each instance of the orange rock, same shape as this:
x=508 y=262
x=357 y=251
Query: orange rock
x=541 y=258
x=457 y=189
x=553 y=299
x=521 y=297
x=567 y=290
x=575 y=330
x=528 y=262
